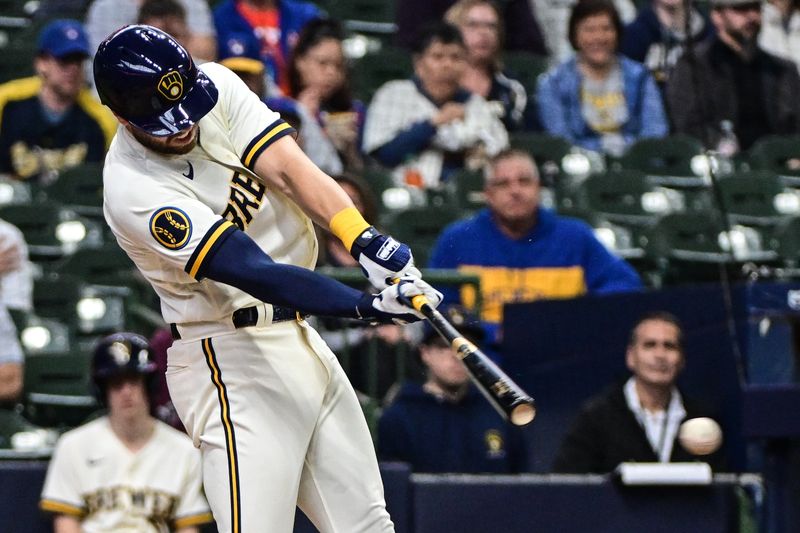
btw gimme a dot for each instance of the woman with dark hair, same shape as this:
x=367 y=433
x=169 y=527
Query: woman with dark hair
x=318 y=81
x=598 y=99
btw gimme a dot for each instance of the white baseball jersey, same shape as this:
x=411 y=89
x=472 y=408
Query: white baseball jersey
x=95 y=478
x=276 y=420
x=169 y=212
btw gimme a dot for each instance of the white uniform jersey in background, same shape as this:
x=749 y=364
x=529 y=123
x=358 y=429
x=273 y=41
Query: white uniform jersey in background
x=94 y=477
x=168 y=212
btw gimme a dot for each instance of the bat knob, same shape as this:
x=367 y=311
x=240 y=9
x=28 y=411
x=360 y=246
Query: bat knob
x=523 y=414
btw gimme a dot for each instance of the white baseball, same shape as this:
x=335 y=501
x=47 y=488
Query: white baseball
x=700 y=436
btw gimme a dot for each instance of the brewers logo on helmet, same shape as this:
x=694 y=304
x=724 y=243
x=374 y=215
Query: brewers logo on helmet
x=121 y=354
x=150 y=80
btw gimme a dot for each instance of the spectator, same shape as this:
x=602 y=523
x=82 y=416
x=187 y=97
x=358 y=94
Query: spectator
x=731 y=81
x=318 y=81
x=428 y=127
x=637 y=421
x=240 y=52
x=125 y=471
x=599 y=99
x=445 y=424
x=523 y=252
x=12 y=361
x=780 y=34
x=553 y=16
x=482 y=30
x=107 y=16
x=50 y=122
x=522 y=29
x=275 y=23
x=168 y=16
x=16 y=288
x=16 y=270
x=657 y=37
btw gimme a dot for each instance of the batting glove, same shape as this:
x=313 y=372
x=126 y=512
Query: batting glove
x=393 y=304
x=382 y=258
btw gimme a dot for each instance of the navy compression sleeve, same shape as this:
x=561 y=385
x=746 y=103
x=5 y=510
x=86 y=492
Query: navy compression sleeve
x=239 y=262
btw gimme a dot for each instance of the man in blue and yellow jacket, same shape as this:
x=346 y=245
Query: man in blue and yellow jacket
x=522 y=252
x=51 y=121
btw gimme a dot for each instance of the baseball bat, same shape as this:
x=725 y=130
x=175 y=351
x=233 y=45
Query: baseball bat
x=503 y=394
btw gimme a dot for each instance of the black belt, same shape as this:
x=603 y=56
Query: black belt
x=248 y=316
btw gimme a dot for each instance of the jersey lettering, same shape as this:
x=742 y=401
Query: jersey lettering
x=244 y=200
x=156 y=505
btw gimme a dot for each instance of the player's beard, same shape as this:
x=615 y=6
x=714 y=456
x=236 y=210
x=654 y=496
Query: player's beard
x=161 y=144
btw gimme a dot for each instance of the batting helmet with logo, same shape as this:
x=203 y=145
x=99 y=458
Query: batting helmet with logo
x=145 y=77
x=121 y=354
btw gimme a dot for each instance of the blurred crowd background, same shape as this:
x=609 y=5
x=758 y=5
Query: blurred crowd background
x=524 y=149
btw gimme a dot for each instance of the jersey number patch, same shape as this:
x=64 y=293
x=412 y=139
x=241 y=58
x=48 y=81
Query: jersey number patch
x=171 y=228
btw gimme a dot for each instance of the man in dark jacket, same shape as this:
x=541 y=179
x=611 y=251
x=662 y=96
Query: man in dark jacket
x=445 y=425
x=639 y=420
x=730 y=81
x=657 y=37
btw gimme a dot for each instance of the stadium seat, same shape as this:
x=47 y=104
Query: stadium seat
x=778 y=154
x=468 y=189
x=57 y=390
x=691 y=247
x=80 y=187
x=89 y=310
x=668 y=159
x=627 y=197
x=11 y=422
x=51 y=229
x=758 y=197
x=373 y=70
x=786 y=240
x=548 y=152
x=105 y=265
x=379 y=180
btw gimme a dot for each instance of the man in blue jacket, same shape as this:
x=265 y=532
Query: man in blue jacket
x=522 y=252
x=444 y=424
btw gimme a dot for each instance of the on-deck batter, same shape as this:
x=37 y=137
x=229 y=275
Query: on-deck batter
x=125 y=472
x=208 y=193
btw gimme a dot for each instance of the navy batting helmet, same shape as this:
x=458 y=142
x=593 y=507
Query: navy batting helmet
x=122 y=354
x=150 y=80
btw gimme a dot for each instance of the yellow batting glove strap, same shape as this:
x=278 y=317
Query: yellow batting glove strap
x=348 y=224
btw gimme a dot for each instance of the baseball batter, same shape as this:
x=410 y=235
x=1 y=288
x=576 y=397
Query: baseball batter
x=125 y=472
x=208 y=193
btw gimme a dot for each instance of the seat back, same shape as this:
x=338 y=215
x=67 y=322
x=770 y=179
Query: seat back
x=752 y=197
x=778 y=154
x=57 y=389
x=668 y=160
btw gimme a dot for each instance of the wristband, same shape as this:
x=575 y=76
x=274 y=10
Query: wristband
x=348 y=224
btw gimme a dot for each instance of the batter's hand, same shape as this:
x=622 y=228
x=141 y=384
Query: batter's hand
x=382 y=258
x=393 y=304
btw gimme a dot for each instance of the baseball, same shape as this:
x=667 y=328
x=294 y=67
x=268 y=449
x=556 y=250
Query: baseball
x=700 y=436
